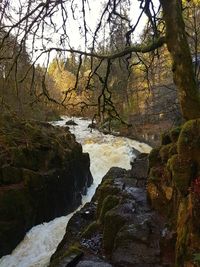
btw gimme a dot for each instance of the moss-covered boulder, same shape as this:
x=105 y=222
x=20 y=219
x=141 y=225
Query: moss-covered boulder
x=177 y=188
x=182 y=172
x=43 y=172
x=109 y=202
x=113 y=222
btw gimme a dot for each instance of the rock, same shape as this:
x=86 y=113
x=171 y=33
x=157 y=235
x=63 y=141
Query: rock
x=93 y=263
x=122 y=229
x=92 y=125
x=165 y=138
x=71 y=122
x=75 y=227
x=43 y=172
x=134 y=245
x=135 y=152
x=139 y=167
x=70 y=258
x=174 y=190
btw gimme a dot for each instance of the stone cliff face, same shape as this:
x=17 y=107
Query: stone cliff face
x=117 y=228
x=174 y=190
x=43 y=172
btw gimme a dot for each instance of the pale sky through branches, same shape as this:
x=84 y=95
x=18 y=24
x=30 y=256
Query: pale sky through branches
x=66 y=27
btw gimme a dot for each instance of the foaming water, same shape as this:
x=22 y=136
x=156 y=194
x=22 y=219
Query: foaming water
x=105 y=152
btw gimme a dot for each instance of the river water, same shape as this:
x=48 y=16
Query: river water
x=105 y=152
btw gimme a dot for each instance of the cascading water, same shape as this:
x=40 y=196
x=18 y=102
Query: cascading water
x=105 y=152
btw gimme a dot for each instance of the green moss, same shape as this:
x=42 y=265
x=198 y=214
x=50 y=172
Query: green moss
x=174 y=134
x=183 y=230
x=73 y=249
x=68 y=257
x=188 y=145
x=90 y=230
x=108 y=203
x=182 y=172
x=113 y=222
x=167 y=151
x=103 y=191
x=154 y=157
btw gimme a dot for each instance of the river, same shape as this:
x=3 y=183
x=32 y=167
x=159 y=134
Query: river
x=105 y=152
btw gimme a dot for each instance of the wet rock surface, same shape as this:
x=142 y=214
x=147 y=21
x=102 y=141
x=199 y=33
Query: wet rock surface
x=43 y=172
x=71 y=122
x=118 y=227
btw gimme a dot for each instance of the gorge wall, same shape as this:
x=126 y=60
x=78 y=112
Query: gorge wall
x=43 y=173
x=174 y=190
x=127 y=225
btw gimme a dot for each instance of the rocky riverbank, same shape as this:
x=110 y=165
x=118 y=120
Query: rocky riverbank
x=43 y=172
x=118 y=227
x=174 y=189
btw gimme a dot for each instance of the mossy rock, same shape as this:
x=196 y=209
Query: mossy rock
x=182 y=173
x=33 y=180
x=166 y=151
x=106 y=189
x=90 y=230
x=113 y=222
x=69 y=257
x=158 y=198
x=16 y=204
x=108 y=203
x=188 y=145
x=10 y=175
x=154 y=157
x=165 y=138
x=174 y=134
x=155 y=174
x=28 y=158
x=184 y=227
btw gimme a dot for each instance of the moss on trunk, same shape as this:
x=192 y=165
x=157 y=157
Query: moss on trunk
x=178 y=47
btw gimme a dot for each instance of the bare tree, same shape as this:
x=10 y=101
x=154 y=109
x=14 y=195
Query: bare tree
x=33 y=21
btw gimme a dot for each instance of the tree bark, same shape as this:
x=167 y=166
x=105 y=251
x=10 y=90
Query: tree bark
x=183 y=72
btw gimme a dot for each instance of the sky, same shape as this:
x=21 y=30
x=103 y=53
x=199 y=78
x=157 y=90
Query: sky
x=74 y=26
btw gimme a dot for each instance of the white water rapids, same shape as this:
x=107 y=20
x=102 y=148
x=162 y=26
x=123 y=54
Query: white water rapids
x=105 y=152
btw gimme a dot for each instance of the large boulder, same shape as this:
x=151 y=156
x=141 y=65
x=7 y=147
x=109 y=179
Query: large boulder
x=43 y=173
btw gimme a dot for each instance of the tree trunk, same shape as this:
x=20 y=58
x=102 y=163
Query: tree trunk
x=178 y=47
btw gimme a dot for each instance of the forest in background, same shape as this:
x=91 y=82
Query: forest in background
x=140 y=96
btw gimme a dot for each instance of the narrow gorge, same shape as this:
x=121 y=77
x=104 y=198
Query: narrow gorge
x=105 y=151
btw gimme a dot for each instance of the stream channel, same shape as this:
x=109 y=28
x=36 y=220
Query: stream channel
x=105 y=152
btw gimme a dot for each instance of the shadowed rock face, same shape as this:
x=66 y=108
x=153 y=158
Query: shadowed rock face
x=43 y=172
x=118 y=227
